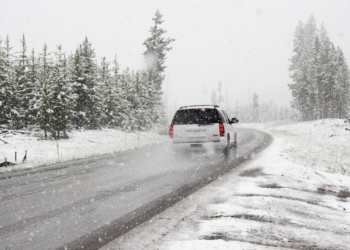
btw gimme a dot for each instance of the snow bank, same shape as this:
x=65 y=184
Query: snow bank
x=323 y=144
x=81 y=144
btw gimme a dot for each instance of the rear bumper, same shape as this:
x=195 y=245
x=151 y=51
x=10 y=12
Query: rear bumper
x=199 y=140
x=220 y=144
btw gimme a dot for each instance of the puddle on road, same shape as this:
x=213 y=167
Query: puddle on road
x=272 y=185
x=343 y=194
x=255 y=172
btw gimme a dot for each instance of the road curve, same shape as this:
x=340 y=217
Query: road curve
x=88 y=203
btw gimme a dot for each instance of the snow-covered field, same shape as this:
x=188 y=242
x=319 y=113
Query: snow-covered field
x=284 y=198
x=322 y=145
x=81 y=144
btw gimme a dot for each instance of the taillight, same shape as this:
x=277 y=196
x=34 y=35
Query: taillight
x=171 y=131
x=222 y=129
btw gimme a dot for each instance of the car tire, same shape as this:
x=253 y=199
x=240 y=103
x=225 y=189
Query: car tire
x=227 y=147
x=235 y=140
x=235 y=146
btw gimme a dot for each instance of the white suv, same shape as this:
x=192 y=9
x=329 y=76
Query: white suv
x=199 y=125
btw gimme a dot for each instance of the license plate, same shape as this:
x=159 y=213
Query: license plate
x=195 y=133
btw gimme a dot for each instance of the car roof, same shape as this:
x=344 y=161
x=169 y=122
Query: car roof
x=200 y=106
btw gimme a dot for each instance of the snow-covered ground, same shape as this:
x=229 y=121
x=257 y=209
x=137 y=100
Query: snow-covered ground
x=322 y=145
x=284 y=198
x=81 y=144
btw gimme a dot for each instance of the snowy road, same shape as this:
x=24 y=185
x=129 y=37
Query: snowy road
x=90 y=202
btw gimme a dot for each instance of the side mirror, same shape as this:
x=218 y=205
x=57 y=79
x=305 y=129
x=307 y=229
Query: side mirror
x=234 y=120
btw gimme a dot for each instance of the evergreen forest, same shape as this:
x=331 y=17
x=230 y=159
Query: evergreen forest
x=54 y=92
x=320 y=74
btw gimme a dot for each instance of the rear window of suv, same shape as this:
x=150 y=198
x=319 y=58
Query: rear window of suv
x=196 y=116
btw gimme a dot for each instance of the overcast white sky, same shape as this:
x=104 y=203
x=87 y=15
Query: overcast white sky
x=244 y=44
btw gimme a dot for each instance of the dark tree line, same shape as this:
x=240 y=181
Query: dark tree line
x=55 y=92
x=320 y=74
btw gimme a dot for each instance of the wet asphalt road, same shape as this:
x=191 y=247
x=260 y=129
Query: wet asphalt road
x=88 y=203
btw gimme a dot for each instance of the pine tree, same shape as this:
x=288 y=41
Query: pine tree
x=146 y=93
x=325 y=75
x=213 y=98
x=42 y=95
x=332 y=102
x=156 y=48
x=342 y=86
x=113 y=101
x=142 y=102
x=119 y=96
x=29 y=95
x=86 y=87
x=220 y=97
x=61 y=97
x=302 y=87
x=317 y=73
x=296 y=68
x=23 y=90
x=108 y=101
x=316 y=82
x=309 y=90
x=79 y=89
x=128 y=122
x=255 y=108
x=137 y=100
x=7 y=87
